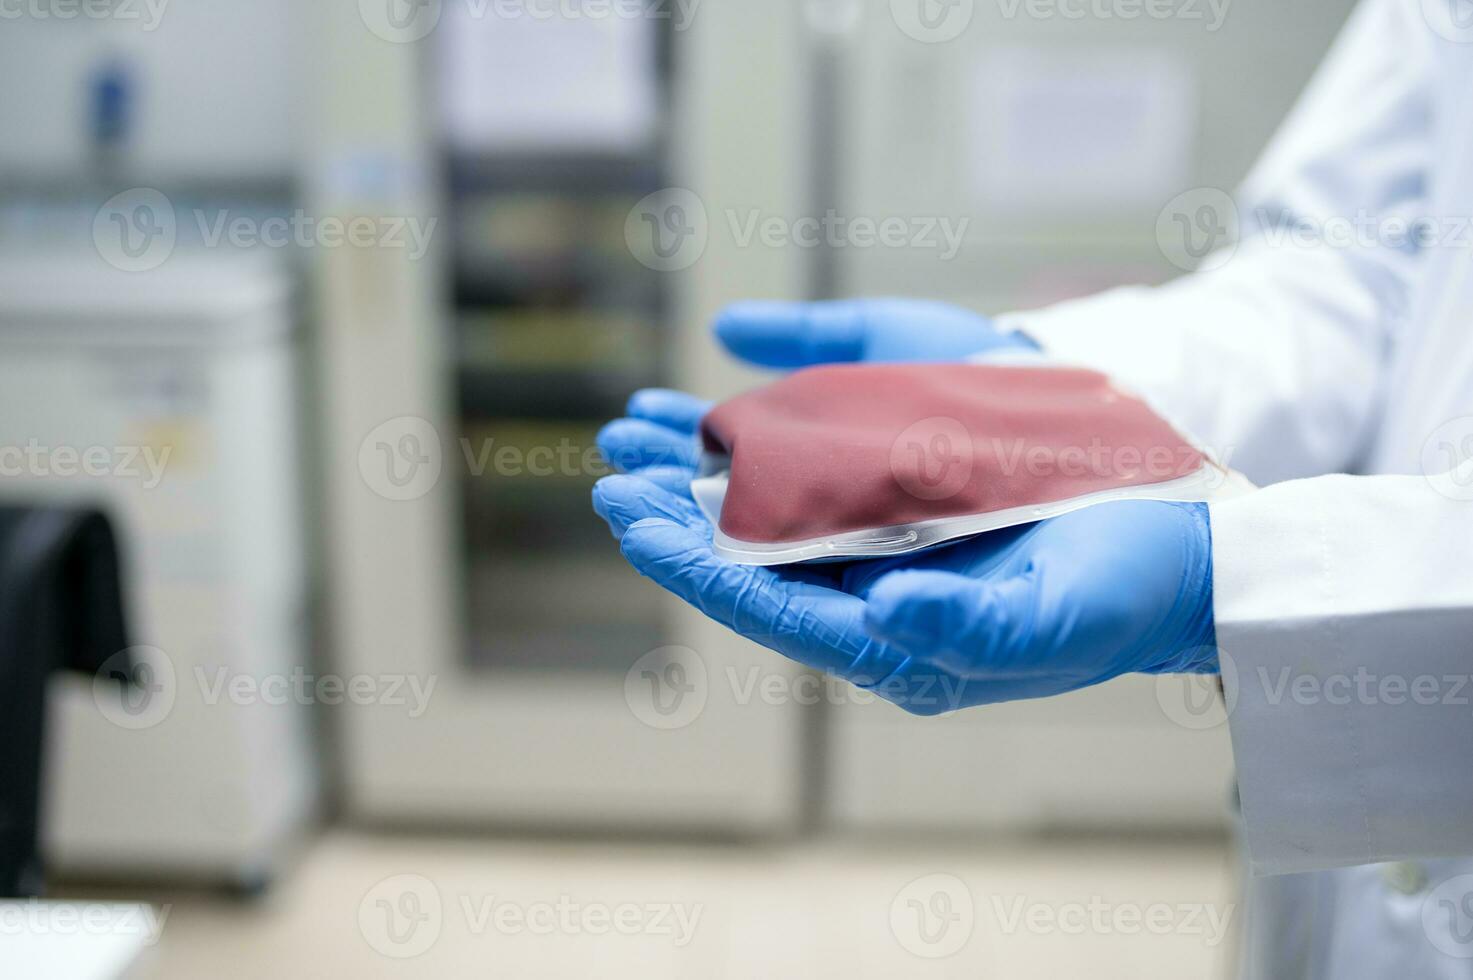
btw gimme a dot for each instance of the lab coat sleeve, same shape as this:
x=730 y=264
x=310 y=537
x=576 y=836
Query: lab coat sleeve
x=1274 y=358
x=1344 y=609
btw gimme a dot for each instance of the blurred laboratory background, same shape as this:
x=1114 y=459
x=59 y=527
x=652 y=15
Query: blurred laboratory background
x=309 y=314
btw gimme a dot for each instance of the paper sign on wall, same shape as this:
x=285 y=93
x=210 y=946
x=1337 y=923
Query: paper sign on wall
x=1056 y=129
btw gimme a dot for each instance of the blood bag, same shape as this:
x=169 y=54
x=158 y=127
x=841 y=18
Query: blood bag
x=865 y=460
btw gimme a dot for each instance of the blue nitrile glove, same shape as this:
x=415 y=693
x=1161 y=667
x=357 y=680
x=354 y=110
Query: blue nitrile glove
x=658 y=432
x=657 y=437
x=792 y=335
x=1025 y=612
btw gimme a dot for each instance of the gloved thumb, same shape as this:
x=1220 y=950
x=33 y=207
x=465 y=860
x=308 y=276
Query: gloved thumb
x=792 y=335
x=966 y=626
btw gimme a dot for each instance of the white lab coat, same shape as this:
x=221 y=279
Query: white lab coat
x=1299 y=357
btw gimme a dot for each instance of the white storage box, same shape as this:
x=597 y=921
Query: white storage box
x=167 y=397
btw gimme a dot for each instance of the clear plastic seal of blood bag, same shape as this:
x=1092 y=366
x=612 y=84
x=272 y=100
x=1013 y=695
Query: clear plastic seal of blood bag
x=869 y=460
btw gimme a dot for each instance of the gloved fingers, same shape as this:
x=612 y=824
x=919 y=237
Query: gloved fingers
x=634 y=444
x=790 y=335
x=665 y=406
x=817 y=626
x=623 y=500
x=675 y=479
x=978 y=628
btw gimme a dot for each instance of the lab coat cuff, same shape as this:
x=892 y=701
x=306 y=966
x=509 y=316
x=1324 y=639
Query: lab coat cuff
x=1341 y=628
x=1297 y=778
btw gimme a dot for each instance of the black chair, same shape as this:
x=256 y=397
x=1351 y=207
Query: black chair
x=61 y=608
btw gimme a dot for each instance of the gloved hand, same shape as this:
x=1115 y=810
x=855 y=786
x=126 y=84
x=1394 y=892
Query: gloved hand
x=792 y=335
x=1025 y=612
x=658 y=431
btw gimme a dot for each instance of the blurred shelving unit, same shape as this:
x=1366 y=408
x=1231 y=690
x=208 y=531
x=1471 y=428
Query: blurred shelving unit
x=535 y=141
x=555 y=325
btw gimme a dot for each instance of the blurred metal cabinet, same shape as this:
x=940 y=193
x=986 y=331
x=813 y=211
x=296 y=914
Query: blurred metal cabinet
x=211 y=90
x=1058 y=132
x=568 y=693
x=168 y=397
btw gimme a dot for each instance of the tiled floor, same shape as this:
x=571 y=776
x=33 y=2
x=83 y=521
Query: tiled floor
x=361 y=906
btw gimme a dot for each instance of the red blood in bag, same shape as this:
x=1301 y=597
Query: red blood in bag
x=854 y=447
